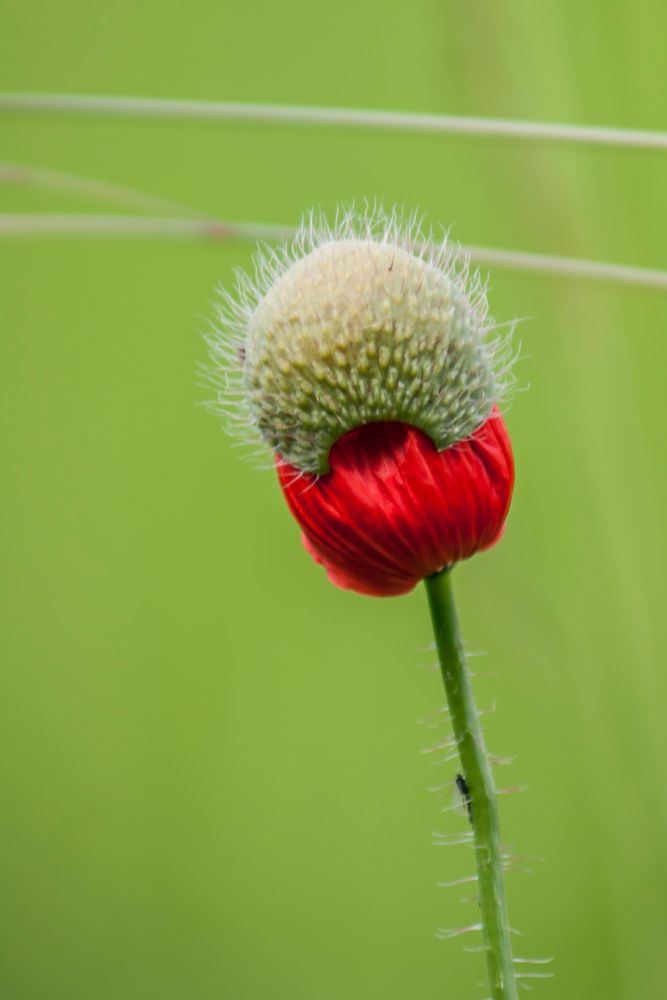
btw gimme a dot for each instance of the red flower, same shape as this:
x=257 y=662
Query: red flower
x=393 y=509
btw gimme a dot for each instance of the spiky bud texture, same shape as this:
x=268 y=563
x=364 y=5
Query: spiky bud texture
x=367 y=323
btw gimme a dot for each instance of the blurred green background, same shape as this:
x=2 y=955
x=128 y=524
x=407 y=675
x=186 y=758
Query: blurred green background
x=210 y=765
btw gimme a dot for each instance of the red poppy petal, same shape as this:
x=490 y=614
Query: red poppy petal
x=393 y=509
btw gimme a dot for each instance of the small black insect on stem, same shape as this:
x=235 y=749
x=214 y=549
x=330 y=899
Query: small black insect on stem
x=463 y=788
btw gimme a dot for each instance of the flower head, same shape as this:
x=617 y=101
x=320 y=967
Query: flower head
x=363 y=356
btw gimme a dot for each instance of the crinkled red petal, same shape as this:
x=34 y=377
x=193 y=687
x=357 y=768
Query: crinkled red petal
x=393 y=509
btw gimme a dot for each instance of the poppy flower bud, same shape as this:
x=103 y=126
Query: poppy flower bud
x=365 y=359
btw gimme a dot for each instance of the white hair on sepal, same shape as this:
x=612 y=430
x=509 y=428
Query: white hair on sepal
x=361 y=319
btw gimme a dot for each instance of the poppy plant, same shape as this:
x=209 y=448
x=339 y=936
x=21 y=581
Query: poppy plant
x=363 y=357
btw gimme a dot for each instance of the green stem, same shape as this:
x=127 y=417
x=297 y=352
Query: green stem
x=483 y=806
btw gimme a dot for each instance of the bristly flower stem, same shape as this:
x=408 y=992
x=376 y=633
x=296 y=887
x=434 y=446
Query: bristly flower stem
x=482 y=801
